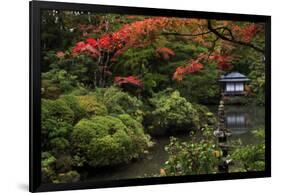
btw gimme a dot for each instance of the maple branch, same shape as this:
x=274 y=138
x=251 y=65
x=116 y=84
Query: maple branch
x=197 y=34
x=232 y=39
x=180 y=34
x=220 y=35
x=213 y=46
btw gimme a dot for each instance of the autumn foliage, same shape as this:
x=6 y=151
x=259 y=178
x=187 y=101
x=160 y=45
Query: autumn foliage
x=133 y=80
x=165 y=53
x=144 y=32
x=191 y=68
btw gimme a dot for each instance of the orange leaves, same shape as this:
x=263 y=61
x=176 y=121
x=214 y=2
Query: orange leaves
x=127 y=80
x=165 y=53
x=223 y=62
x=89 y=48
x=246 y=32
x=195 y=65
x=192 y=67
x=249 y=32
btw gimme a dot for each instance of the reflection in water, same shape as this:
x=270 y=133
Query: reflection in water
x=241 y=120
x=236 y=123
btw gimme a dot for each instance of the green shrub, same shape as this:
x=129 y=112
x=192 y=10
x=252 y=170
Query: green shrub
x=56 y=82
x=50 y=90
x=206 y=117
x=136 y=131
x=47 y=167
x=250 y=157
x=171 y=113
x=57 y=170
x=57 y=110
x=106 y=140
x=79 y=91
x=119 y=102
x=56 y=121
x=71 y=176
x=194 y=157
x=91 y=105
x=73 y=103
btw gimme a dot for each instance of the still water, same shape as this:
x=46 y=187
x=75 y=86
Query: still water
x=241 y=120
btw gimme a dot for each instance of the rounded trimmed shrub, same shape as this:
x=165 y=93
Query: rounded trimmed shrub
x=106 y=140
x=171 y=113
x=73 y=102
x=119 y=102
x=91 y=105
x=57 y=110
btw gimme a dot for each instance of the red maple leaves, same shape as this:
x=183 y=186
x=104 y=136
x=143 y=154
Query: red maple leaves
x=245 y=33
x=165 y=53
x=181 y=71
x=90 y=48
x=127 y=80
x=223 y=62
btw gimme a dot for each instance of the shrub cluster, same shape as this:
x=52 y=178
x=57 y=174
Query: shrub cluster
x=108 y=140
x=171 y=113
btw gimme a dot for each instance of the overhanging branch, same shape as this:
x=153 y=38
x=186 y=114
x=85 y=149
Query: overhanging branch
x=232 y=39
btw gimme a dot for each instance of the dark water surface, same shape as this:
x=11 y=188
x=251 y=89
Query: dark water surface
x=241 y=120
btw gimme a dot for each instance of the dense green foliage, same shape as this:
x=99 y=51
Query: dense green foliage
x=198 y=156
x=119 y=102
x=250 y=157
x=173 y=113
x=110 y=81
x=107 y=140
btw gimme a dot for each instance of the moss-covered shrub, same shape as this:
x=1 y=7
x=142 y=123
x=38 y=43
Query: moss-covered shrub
x=49 y=90
x=47 y=167
x=91 y=105
x=171 y=113
x=119 y=102
x=55 y=82
x=206 y=117
x=57 y=109
x=106 y=140
x=71 y=176
x=136 y=131
x=74 y=104
x=56 y=122
x=57 y=170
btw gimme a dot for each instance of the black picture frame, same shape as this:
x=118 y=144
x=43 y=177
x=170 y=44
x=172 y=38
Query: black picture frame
x=35 y=98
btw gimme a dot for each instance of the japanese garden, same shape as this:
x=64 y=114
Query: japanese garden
x=130 y=96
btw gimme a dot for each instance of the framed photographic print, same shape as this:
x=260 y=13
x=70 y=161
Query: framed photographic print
x=123 y=96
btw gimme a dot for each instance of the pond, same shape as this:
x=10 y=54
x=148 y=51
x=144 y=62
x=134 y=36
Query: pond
x=241 y=120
